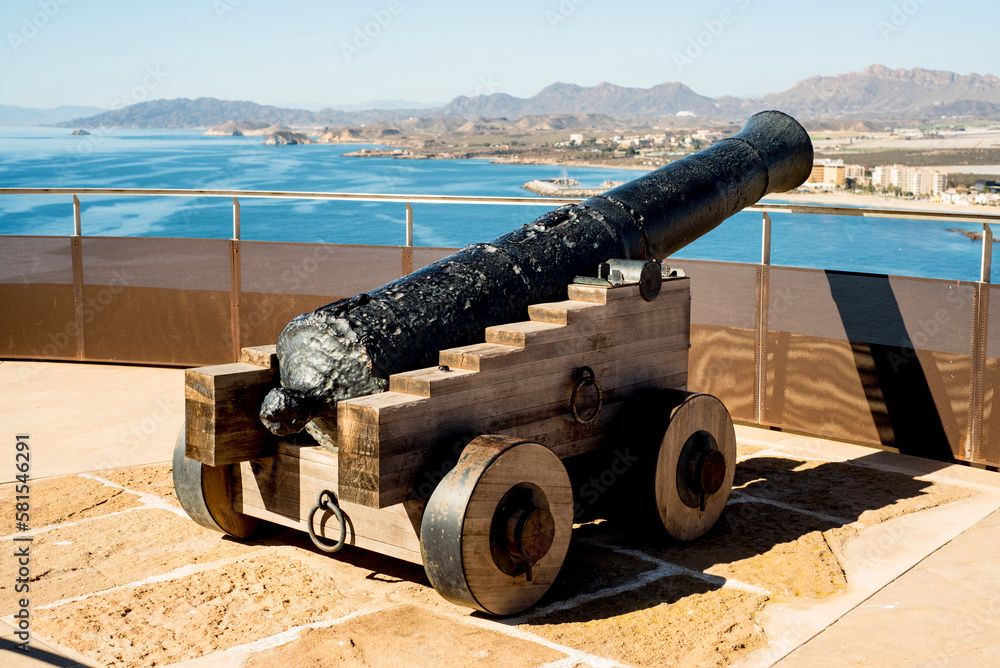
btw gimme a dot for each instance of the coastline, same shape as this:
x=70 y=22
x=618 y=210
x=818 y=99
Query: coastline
x=876 y=202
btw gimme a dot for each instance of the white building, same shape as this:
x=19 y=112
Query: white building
x=916 y=180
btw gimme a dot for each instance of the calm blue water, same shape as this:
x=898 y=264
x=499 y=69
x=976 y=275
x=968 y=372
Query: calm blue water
x=51 y=157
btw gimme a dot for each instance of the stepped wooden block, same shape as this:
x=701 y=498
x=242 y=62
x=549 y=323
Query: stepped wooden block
x=395 y=445
x=222 y=408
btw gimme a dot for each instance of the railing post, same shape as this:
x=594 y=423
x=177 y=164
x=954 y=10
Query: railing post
x=980 y=334
x=760 y=322
x=984 y=267
x=235 y=289
x=407 y=254
x=236 y=219
x=76 y=248
x=765 y=246
x=77 y=225
x=409 y=224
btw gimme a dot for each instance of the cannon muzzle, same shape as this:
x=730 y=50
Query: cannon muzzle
x=351 y=347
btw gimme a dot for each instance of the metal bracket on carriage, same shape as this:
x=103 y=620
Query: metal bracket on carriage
x=647 y=274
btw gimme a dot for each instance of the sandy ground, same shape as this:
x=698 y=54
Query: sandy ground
x=122 y=577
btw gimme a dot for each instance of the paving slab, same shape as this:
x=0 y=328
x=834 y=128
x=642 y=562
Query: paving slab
x=90 y=417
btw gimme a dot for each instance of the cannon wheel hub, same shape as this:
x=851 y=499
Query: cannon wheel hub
x=695 y=466
x=497 y=528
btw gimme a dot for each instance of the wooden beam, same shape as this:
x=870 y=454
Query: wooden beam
x=222 y=413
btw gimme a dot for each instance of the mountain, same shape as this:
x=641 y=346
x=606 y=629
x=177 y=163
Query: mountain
x=604 y=98
x=206 y=112
x=10 y=115
x=877 y=93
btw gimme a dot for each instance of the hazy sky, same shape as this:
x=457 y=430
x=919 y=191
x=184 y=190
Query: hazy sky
x=108 y=53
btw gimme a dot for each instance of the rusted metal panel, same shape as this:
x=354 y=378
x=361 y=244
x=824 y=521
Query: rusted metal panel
x=263 y=315
x=36 y=296
x=722 y=293
x=425 y=256
x=37 y=321
x=316 y=269
x=158 y=301
x=158 y=325
x=721 y=363
x=77 y=251
x=914 y=401
x=27 y=260
x=723 y=298
x=878 y=359
x=900 y=311
x=143 y=262
x=988 y=443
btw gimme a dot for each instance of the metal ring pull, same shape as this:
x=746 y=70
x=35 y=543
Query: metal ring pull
x=584 y=377
x=327 y=501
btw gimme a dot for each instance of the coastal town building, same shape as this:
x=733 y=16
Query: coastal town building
x=855 y=172
x=915 y=180
x=985 y=186
x=826 y=174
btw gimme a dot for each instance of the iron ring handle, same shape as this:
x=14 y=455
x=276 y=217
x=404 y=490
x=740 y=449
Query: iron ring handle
x=327 y=501
x=583 y=377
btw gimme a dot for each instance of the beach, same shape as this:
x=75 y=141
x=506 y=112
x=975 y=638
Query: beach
x=876 y=202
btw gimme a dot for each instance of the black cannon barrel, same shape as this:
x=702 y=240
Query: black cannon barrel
x=349 y=348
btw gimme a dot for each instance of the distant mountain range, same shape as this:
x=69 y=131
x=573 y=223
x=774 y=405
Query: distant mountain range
x=877 y=93
x=32 y=116
x=206 y=112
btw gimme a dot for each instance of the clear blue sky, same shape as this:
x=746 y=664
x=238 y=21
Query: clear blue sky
x=308 y=53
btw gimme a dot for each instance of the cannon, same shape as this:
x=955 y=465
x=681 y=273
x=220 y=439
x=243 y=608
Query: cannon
x=440 y=408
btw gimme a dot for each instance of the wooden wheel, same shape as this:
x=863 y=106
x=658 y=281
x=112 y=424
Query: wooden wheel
x=206 y=494
x=496 y=529
x=695 y=466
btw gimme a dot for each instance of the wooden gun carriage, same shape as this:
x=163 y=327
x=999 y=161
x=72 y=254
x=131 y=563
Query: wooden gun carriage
x=459 y=467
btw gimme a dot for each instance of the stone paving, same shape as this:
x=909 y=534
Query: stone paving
x=828 y=554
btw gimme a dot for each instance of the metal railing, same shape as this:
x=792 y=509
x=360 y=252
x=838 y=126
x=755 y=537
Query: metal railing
x=766 y=208
x=284 y=194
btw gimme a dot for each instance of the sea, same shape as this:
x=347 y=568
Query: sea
x=37 y=157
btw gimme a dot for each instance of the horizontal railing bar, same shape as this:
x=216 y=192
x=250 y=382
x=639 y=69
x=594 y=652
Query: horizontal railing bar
x=873 y=213
x=285 y=194
x=477 y=199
